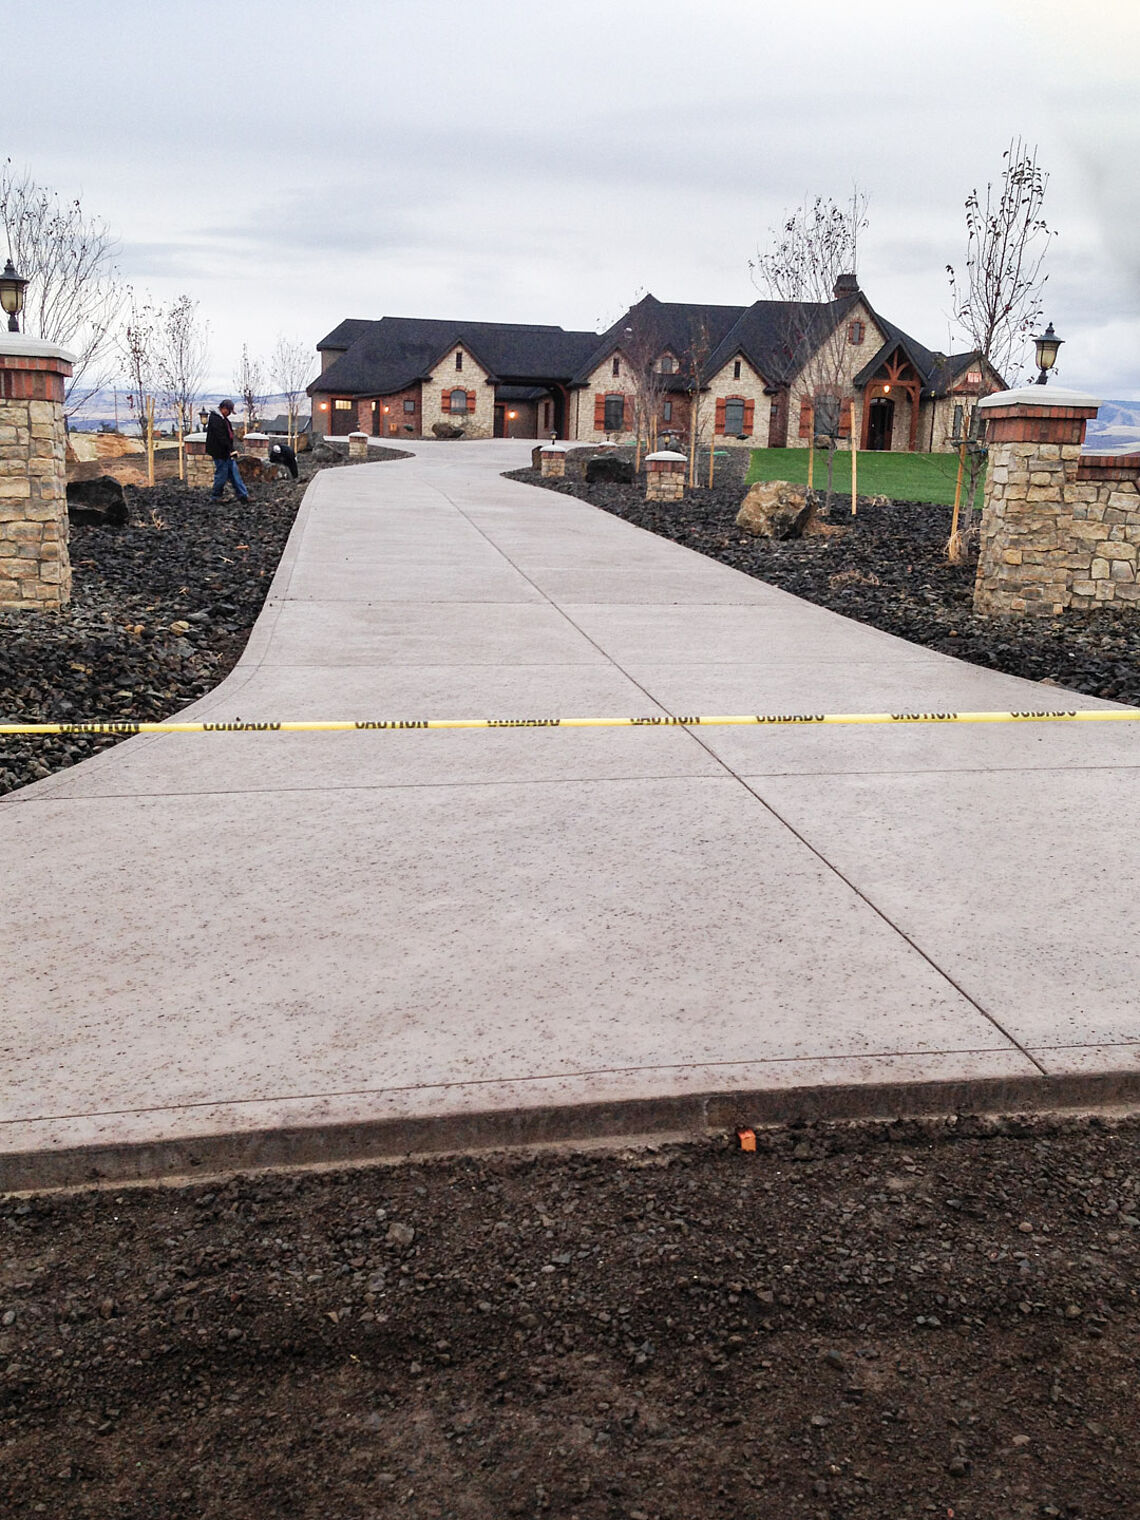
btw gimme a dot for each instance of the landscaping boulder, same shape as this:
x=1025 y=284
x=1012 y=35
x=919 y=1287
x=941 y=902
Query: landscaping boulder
x=253 y=467
x=611 y=469
x=775 y=509
x=99 y=503
x=446 y=430
x=326 y=453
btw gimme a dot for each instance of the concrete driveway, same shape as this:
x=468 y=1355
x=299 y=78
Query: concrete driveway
x=238 y=949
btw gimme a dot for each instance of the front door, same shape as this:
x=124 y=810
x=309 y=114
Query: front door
x=342 y=419
x=880 y=423
x=500 y=419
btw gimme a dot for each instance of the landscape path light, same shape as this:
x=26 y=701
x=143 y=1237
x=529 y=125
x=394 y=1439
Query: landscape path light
x=1047 y=346
x=12 y=287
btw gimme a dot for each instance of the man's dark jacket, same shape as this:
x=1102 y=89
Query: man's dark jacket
x=219 y=436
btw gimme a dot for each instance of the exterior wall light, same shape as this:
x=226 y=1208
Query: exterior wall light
x=512 y=415
x=12 y=287
x=1046 y=346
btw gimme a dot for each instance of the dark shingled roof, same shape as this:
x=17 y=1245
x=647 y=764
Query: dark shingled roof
x=397 y=351
x=776 y=338
x=346 y=334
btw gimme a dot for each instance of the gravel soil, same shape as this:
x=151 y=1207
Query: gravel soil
x=161 y=610
x=888 y=568
x=874 y=1321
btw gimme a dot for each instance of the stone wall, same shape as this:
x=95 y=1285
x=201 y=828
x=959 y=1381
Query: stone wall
x=472 y=377
x=35 y=570
x=855 y=356
x=1060 y=528
x=749 y=386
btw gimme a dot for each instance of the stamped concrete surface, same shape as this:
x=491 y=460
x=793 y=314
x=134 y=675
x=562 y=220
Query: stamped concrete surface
x=237 y=949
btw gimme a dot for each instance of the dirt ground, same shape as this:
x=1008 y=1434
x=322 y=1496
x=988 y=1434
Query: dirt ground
x=877 y=1321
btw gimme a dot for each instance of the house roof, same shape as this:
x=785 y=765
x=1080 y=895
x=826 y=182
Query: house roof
x=345 y=335
x=776 y=337
x=395 y=352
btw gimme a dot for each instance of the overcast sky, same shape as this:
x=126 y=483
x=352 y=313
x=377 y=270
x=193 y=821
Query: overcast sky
x=288 y=164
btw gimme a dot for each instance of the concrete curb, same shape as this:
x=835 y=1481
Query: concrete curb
x=694 y=1115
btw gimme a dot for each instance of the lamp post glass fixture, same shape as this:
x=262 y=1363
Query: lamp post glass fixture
x=203 y=419
x=1047 y=346
x=12 y=287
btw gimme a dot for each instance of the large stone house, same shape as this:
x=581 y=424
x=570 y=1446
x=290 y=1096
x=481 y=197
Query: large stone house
x=766 y=375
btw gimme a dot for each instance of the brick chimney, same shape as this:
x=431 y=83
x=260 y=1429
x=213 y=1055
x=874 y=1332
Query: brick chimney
x=846 y=285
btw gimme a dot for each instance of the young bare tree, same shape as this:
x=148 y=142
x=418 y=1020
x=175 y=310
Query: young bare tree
x=801 y=268
x=138 y=352
x=643 y=344
x=181 y=350
x=696 y=357
x=249 y=381
x=75 y=296
x=997 y=296
x=290 y=368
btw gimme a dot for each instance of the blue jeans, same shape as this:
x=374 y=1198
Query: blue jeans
x=226 y=469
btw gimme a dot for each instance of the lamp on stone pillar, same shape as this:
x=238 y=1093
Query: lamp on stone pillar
x=12 y=287
x=203 y=419
x=1046 y=346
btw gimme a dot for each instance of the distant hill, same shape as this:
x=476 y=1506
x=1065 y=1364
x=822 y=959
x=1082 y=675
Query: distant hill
x=1117 y=425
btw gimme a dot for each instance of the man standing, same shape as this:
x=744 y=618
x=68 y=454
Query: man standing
x=220 y=447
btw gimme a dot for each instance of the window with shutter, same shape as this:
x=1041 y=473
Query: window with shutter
x=826 y=416
x=749 y=415
x=614 y=415
x=733 y=417
x=856 y=332
x=458 y=403
x=599 y=412
x=718 y=425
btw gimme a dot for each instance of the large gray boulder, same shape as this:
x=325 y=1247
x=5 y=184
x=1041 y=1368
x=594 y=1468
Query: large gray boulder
x=775 y=509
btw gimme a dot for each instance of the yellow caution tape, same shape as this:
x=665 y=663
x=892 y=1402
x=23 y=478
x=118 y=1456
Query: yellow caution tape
x=763 y=720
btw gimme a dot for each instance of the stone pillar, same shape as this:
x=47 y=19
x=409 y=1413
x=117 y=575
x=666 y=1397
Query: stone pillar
x=552 y=458
x=199 y=465
x=1025 y=557
x=257 y=444
x=35 y=571
x=358 y=445
x=665 y=476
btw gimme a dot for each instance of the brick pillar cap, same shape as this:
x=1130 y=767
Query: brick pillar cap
x=1038 y=395
x=256 y=435
x=266 y=435
x=193 y=438
x=554 y=448
x=20 y=346
x=666 y=455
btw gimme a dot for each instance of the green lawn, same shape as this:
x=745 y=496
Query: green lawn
x=906 y=477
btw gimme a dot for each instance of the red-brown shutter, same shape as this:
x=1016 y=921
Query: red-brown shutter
x=749 y=414
x=471 y=399
x=805 y=419
x=627 y=413
x=446 y=401
x=599 y=413
x=845 y=420
x=719 y=425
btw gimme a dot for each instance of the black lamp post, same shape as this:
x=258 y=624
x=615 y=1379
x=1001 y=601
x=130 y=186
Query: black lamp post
x=12 y=287
x=1047 y=346
x=203 y=419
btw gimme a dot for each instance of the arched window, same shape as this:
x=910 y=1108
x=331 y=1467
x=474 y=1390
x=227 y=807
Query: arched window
x=457 y=402
x=615 y=413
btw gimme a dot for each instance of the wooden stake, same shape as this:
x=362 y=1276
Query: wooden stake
x=954 y=547
x=150 y=440
x=181 y=451
x=854 y=471
x=811 y=446
x=712 y=456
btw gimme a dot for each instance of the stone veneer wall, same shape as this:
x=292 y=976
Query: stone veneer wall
x=35 y=569
x=1060 y=528
x=472 y=377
